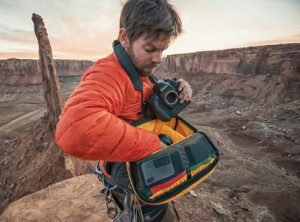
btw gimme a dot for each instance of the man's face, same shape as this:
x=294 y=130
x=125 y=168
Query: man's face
x=145 y=53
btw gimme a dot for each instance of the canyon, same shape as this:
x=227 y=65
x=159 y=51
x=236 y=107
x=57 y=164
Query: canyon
x=246 y=99
x=28 y=72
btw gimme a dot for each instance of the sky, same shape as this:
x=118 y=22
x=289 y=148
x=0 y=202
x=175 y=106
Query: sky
x=85 y=29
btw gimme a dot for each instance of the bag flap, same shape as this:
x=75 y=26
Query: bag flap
x=169 y=173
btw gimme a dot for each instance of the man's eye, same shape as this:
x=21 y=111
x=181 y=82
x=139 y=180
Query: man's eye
x=149 y=50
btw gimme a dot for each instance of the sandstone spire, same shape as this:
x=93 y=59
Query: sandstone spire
x=52 y=92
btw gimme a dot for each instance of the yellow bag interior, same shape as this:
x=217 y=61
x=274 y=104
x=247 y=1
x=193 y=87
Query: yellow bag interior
x=177 y=134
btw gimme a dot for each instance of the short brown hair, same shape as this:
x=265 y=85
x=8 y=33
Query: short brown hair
x=151 y=17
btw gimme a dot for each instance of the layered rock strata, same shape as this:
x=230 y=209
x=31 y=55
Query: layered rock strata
x=28 y=71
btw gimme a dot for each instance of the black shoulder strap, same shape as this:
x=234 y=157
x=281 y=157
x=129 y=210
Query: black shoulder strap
x=128 y=66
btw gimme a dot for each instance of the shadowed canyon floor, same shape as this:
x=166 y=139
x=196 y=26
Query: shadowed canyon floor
x=252 y=119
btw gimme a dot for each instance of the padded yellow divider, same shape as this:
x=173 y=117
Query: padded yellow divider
x=158 y=127
x=183 y=129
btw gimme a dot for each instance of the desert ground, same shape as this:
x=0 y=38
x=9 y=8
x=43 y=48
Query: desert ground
x=252 y=119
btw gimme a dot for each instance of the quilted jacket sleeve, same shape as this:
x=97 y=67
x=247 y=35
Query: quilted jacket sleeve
x=89 y=127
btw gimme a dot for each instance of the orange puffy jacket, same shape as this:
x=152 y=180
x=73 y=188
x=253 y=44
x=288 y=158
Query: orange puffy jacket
x=95 y=122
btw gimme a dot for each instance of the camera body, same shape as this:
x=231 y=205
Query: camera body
x=165 y=100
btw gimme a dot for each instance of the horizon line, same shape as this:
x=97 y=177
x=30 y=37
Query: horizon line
x=102 y=56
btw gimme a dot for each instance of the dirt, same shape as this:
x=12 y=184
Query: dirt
x=253 y=121
x=80 y=192
x=256 y=130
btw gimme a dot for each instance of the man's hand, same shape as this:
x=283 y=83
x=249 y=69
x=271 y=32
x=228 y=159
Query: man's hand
x=185 y=91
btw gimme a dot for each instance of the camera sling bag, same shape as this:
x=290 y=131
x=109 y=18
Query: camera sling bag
x=171 y=172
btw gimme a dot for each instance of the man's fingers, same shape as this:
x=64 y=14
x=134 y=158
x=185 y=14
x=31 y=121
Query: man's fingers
x=185 y=91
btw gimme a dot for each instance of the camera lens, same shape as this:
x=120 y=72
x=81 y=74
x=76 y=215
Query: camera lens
x=171 y=98
x=165 y=139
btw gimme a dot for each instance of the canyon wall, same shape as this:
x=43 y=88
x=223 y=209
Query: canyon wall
x=261 y=60
x=27 y=71
x=272 y=60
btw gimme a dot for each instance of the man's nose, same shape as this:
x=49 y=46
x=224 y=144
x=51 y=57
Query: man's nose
x=156 y=57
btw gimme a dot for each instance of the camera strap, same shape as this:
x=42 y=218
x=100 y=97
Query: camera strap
x=128 y=66
x=131 y=72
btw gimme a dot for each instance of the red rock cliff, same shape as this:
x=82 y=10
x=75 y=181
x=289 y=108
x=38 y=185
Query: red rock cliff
x=274 y=59
x=27 y=71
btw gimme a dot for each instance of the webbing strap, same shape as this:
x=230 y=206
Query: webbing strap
x=128 y=66
x=130 y=70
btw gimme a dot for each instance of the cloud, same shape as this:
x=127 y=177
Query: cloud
x=85 y=29
x=76 y=29
x=17 y=36
x=283 y=40
x=22 y=55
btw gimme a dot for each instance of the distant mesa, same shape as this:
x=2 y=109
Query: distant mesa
x=280 y=59
x=27 y=71
x=272 y=59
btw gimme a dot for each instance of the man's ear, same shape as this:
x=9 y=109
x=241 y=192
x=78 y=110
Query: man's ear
x=123 y=38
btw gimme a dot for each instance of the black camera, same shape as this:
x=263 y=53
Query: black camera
x=165 y=100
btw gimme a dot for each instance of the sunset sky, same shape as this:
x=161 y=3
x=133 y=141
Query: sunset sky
x=85 y=29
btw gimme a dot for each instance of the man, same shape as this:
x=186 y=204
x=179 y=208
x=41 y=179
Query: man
x=95 y=123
